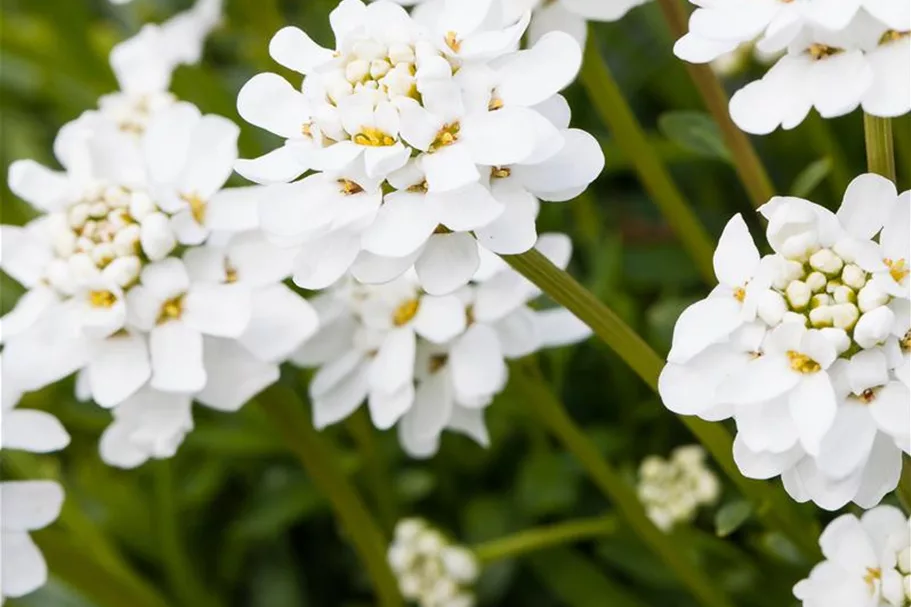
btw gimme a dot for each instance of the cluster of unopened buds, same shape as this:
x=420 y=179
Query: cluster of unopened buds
x=431 y=570
x=808 y=348
x=672 y=490
x=855 y=53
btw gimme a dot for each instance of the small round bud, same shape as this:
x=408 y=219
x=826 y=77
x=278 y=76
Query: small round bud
x=98 y=210
x=837 y=337
x=854 y=276
x=826 y=262
x=843 y=294
x=401 y=53
x=794 y=317
x=821 y=317
x=874 y=327
x=82 y=268
x=871 y=297
x=126 y=240
x=59 y=276
x=816 y=281
x=904 y=560
x=156 y=236
x=798 y=294
x=368 y=50
x=123 y=271
x=820 y=300
x=379 y=68
x=785 y=270
x=78 y=215
x=844 y=316
x=771 y=307
x=103 y=254
x=141 y=205
x=65 y=243
x=357 y=71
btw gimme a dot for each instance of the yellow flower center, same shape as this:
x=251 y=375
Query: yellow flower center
x=102 y=299
x=373 y=137
x=495 y=104
x=821 y=51
x=873 y=574
x=171 y=310
x=448 y=135
x=453 y=42
x=405 y=312
x=419 y=188
x=230 y=272
x=740 y=294
x=500 y=172
x=349 y=188
x=892 y=36
x=307 y=129
x=898 y=270
x=802 y=363
x=905 y=342
x=197 y=206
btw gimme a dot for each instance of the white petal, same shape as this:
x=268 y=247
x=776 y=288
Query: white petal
x=271 y=103
x=559 y=327
x=281 y=321
x=166 y=141
x=402 y=225
x=763 y=465
x=847 y=444
x=119 y=367
x=813 y=407
x=881 y=474
x=341 y=400
x=759 y=380
x=736 y=257
x=44 y=189
x=234 y=375
x=514 y=231
x=866 y=205
x=601 y=10
x=439 y=319
x=29 y=505
x=447 y=263
x=211 y=156
x=534 y=75
x=32 y=431
x=518 y=333
x=23 y=255
x=386 y=408
x=177 y=363
x=218 y=310
x=295 y=50
x=702 y=324
x=393 y=366
x=323 y=261
x=374 y=269
x=467 y=208
x=449 y=168
x=24 y=569
x=476 y=362
x=577 y=164
x=499 y=138
x=281 y=165
x=891 y=409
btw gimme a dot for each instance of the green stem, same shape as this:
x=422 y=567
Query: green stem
x=827 y=145
x=81 y=569
x=290 y=418
x=179 y=569
x=749 y=167
x=536 y=394
x=531 y=540
x=776 y=511
x=615 y=112
x=378 y=478
x=904 y=485
x=878 y=138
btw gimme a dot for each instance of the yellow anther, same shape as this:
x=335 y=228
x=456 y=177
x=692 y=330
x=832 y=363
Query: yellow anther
x=171 y=309
x=905 y=342
x=495 y=104
x=419 y=188
x=873 y=575
x=405 y=312
x=349 y=187
x=197 y=206
x=740 y=294
x=102 y=299
x=898 y=270
x=802 y=363
x=437 y=362
x=373 y=137
x=892 y=36
x=230 y=272
x=453 y=42
x=500 y=172
x=448 y=135
x=821 y=51
x=307 y=129
x=868 y=396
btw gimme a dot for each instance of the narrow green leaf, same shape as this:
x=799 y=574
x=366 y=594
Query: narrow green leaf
x=811 y=177
x=731 y=516
x=694 y=131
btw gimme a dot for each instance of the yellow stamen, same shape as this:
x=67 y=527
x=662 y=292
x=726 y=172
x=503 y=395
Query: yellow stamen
x=197 y=206
x=892 y=36
x=373 y=137
x=821 y=51
x=740 y=294
x=349 y=188
x=802 y=363
x=868 y=396
x=418 y=188
x=172 y=309
x=898 y=270
x=437 y=362
x=307 y=129
x=102 y=299
x=441 y=229
x=405 y=312
x=453 y=42
x=230 y=272
x=905 y=342
x=469 y=315
x=500 y=172
x=873 y=574
x=448 y=135
x=495 y=104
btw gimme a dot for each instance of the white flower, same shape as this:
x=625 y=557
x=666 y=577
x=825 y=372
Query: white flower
x=431 y=570
x=838 y=57
x=861 y=562
x=25 y=506
x=672 y=490
x=816 y=377
x=419 y=141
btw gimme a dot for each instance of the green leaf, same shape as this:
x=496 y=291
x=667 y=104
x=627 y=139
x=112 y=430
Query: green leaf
x=731 y=516
x=694 y=131
x=811 y=177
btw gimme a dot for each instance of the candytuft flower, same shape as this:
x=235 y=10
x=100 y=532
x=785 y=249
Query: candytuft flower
x=672 y=490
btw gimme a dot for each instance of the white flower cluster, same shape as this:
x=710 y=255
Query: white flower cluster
x=429 y=362
x=838 y=56
x=431 y=570
x=868 y=561
x=808 y=348
x=144 y=275
x=570 y=16
x=672 y=490
x=420 y=144
x=26 y=505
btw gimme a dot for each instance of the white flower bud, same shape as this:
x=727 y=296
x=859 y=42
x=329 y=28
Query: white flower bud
x=82 y=268
x=126 y=239
x=123 y=271
x=379 y=68
x=98 y=210
x=844 y=316
x=141 y=205
x=874 y=327
x=854 y=276
x=398 y=81
x=460 y=563
x=103 y=254
x=429 y=542
x=843 y=294
x=838 y=338
x=116 y=197
x=651 y=467
x=798 y=294
x=871 y=297
x=399 y=557
x=401 y=53
x=816 y=281
x=410 y=586
x=689 y=456
x=85 y=245
x=783 y=271
x=821 y=317
x=771 y=307
x=357 y=71
x=820 y=300
x=794 y=317
x=59 y=276
x=368 y=50
x=826 y=262
x=904 y=560
x=408 y=529
x=64 y=243
x=156 y=236
x=78 y=215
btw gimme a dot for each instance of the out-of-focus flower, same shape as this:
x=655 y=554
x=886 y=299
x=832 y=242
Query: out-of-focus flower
x=837 y=58
x=807 y=348
x=431 y=570
x=424 y=362
x=866 y=561
x=672 y=490
x=420 y=139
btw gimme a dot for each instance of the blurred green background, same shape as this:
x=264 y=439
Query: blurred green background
x=258 y=532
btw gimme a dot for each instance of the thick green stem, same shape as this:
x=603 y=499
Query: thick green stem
x=615 y=112
x=179 y=568
x=378 y=478
x=880 y=154
x=531 y=540
x=749 y=167
x=536 y=394
x=776 y=511
x=292 y=422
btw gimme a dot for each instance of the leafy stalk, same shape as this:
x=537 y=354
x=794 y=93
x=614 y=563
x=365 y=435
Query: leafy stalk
x=775 y=510
x=541 y=538
x=290 y=418
x=749 y=167
x=878 y=138
x=616 y=113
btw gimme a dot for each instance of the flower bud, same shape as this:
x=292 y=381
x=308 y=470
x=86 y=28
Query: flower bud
x=784 y=271
x=854 y=276
x=156 y=236
x=98 y=210
x=838 y=338
x=798 y=294
x=123 y=271
x=379 y=68
x=771 y=307
x=821 y=317
x=82 y=268
x=460 y=563
x=871 y=297
x=820 y=300
x=59 y=276
x=141 y=205
x=794 y=317
x=78 y=215
x=826 y=262
x=401 y=53
x=904 y=560
x=844 y=316
x=874 y=327
x=357 y=71
x=103 y=254
x=816 y=281
x=126 y=239
x=843 y=294
x=65 y=243
x=368 y=50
